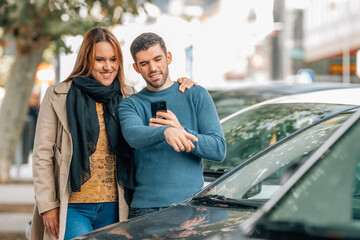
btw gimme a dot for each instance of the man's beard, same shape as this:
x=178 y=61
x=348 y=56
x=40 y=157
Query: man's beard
x=166 y=74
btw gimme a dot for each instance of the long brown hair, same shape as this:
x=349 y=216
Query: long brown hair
x=86 y=56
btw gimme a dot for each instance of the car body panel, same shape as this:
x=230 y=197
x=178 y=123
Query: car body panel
x=181 y=221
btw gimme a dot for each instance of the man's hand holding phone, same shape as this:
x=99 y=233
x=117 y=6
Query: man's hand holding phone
x=165 y=119
x=175 y=135
x=161 y=116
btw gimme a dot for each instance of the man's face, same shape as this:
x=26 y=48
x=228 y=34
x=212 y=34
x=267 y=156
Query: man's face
x=153 y=64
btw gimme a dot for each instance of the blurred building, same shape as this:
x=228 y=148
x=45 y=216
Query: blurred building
x=226 y=41
x=331 y=31
x=320 y=37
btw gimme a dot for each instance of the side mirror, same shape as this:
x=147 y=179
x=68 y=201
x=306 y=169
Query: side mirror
x=255 y=190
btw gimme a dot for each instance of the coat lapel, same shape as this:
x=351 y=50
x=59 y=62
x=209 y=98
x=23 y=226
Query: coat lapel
x=59 y=103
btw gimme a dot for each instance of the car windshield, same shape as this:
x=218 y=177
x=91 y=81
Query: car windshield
x=326 y=199
x=250 y=132
x=261 y=177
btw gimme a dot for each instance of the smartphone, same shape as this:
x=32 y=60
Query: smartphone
x=158 y=106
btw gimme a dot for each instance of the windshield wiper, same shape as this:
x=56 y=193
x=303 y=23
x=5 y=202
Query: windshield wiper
x=218 y=172
x=212 y=175
x=222 y=201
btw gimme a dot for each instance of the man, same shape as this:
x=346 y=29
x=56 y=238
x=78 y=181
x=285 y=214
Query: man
x=168 y=149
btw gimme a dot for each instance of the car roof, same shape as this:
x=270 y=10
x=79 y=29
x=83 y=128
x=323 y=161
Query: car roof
x=284 y=88
x=288 y=89
x=346 y=96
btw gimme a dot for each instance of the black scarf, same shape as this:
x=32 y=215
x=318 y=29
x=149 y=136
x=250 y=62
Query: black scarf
x=84 y=127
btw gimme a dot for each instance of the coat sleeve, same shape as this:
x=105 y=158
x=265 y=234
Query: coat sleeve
x=44 y=153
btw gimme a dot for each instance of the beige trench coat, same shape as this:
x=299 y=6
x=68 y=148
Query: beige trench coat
x=51 y=162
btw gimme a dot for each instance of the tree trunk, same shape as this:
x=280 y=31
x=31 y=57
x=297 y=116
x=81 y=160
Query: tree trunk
x=15 y=105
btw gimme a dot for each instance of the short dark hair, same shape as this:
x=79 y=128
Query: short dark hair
x=144 y=41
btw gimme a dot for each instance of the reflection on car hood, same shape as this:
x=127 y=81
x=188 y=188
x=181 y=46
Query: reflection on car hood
x=181 y=221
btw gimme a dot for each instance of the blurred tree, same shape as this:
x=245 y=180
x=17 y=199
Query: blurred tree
x=35 y=25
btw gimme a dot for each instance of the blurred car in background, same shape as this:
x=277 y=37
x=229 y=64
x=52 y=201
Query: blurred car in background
x=230 y=101
x=222 y=206
x=320 y=201
x=253 y=129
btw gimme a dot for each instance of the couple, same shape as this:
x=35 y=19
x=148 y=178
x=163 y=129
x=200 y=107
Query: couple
x=97 y=149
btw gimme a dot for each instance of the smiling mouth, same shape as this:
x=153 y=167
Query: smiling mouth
x=107 y=74
x=154 y=76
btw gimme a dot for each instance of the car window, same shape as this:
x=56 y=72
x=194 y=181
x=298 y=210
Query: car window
x=327 y=196
x=229 y=102
x=250 y=132
x=261 y=178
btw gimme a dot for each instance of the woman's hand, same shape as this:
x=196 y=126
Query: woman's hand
x=51 y=221
x=185 y=83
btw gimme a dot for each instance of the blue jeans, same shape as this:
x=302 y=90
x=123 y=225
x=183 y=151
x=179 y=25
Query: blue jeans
x=86 y=217
x=137 y=212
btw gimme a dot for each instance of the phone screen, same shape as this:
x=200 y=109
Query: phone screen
x=158 y=106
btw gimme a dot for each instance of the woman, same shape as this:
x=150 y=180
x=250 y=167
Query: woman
x=82 y=166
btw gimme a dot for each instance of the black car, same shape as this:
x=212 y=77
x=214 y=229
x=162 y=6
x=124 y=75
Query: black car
x=220 y=208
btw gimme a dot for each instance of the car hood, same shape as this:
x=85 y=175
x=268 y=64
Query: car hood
x=181 y=221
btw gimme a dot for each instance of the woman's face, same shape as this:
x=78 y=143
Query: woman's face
x=106 y=66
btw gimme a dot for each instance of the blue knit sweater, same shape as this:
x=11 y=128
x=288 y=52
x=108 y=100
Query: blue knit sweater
x=164 y=176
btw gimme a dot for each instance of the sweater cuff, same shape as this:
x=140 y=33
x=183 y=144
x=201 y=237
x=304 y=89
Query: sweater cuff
x=193 y=133
x=190 y=131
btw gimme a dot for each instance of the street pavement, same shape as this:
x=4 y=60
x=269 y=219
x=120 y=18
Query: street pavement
x=16 y=205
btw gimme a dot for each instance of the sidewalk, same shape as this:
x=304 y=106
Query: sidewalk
x=16 y=206
x=17 y=202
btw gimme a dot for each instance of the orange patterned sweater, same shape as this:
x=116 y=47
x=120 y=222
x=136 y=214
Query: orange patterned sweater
x=102 y=186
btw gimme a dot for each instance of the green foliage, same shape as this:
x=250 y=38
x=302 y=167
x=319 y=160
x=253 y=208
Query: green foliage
x=32 y=20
